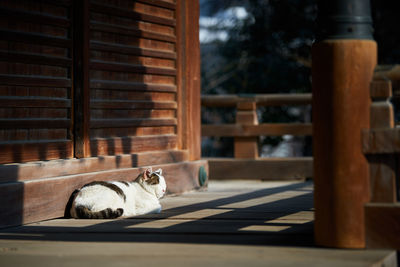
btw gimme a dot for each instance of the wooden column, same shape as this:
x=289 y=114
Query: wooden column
x=246 y=147
x=188 y=68
x=81 y=90
x=342 y=69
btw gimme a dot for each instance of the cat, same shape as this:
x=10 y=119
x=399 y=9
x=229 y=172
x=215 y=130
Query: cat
x=109 y=200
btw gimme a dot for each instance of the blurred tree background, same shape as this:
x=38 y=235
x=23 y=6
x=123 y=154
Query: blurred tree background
x=264 y=47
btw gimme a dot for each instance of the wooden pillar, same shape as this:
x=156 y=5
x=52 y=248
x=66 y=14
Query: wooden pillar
x=246 y=147
x=344 y=58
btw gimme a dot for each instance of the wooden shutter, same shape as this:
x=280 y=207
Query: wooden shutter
x=35 y=80
x=133 y=84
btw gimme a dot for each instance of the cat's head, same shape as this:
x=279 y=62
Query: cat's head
x=153 y=182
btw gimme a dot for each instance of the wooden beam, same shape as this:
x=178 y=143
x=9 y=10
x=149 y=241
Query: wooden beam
x=132 y=86
x=37 y=200
x=25 y=151
x=53 y=168
x=34 y=102
x=261 y=168
x=25 y=80
x=35 y=17
x=121 y=12
x=381 y=141
x=129 y=104
x=132 y=144
x=261 y=100
x=130 y=31
x=130 y=50
x=12 y=56
x=120 y=67
x=116 y=123
x=35 y=38
x=268 y=129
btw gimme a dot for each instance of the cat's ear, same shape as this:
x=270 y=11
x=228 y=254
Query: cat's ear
x=159 y=171
x=146 y=174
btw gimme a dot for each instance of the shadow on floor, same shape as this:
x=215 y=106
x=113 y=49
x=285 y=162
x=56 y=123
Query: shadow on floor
x=280 y=216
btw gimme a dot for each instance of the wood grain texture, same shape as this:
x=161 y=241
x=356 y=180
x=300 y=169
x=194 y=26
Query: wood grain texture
x=64 y=167
x=116 y=11
x=341 y=71
x=381 y=141
x=189 y=121
x=35 y=81
x=382 y=225
x=131 y=50
x=127 y=144
x=268 y=129
x=382 y=171
x=261 y=100
x=51 y=195
x=25 y=151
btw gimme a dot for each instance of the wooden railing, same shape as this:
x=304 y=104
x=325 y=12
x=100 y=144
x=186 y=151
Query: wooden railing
x=381 y=145
x=246 y=131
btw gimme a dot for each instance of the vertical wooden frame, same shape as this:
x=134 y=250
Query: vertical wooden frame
x=188 y=78
x=81 y=90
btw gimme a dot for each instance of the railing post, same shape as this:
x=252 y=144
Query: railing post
x=246 y=147
x=343 y=61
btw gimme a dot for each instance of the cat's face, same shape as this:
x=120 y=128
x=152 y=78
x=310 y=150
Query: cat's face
x=154 y=182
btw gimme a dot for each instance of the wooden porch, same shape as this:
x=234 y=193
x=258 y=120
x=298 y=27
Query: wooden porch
x=233 y=223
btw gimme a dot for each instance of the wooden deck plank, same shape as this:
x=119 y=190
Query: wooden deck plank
x=197 y=229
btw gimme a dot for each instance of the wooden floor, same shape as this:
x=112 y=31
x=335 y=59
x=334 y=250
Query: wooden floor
x=233 y=223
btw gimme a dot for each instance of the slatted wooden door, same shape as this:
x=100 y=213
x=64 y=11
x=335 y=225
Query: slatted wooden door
x=133 y=84
x=94 y=78
x=35 y=80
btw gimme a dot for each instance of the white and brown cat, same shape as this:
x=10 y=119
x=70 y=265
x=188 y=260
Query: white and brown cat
x=108 y=200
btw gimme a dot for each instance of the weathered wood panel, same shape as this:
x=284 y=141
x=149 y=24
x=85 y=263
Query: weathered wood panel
x=35 y=81
x=133 y=76
x=18 y=207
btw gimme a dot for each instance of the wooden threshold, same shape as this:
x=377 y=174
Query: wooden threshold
x=37 y=200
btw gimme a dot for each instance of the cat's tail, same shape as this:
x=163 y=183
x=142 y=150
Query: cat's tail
x=83 y=212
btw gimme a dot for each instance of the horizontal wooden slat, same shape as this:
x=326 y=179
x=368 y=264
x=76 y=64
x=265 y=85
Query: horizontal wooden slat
x=48 y=169
x=120 y=12
x=34 y=102
x=34 y=123
x=381 y=141
x=116 y=123
x=268 y=129
x=130 y=50
x=25 y=151
x=34 y=59
x=159 y=3
x=132 y=104
x=24 y=80
x=35 y=17
x=35 y=38
x=261 y=100
x=260 y=169
x=119 y=67
x=134 y=144
x=132 y=86
x=121 y=30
